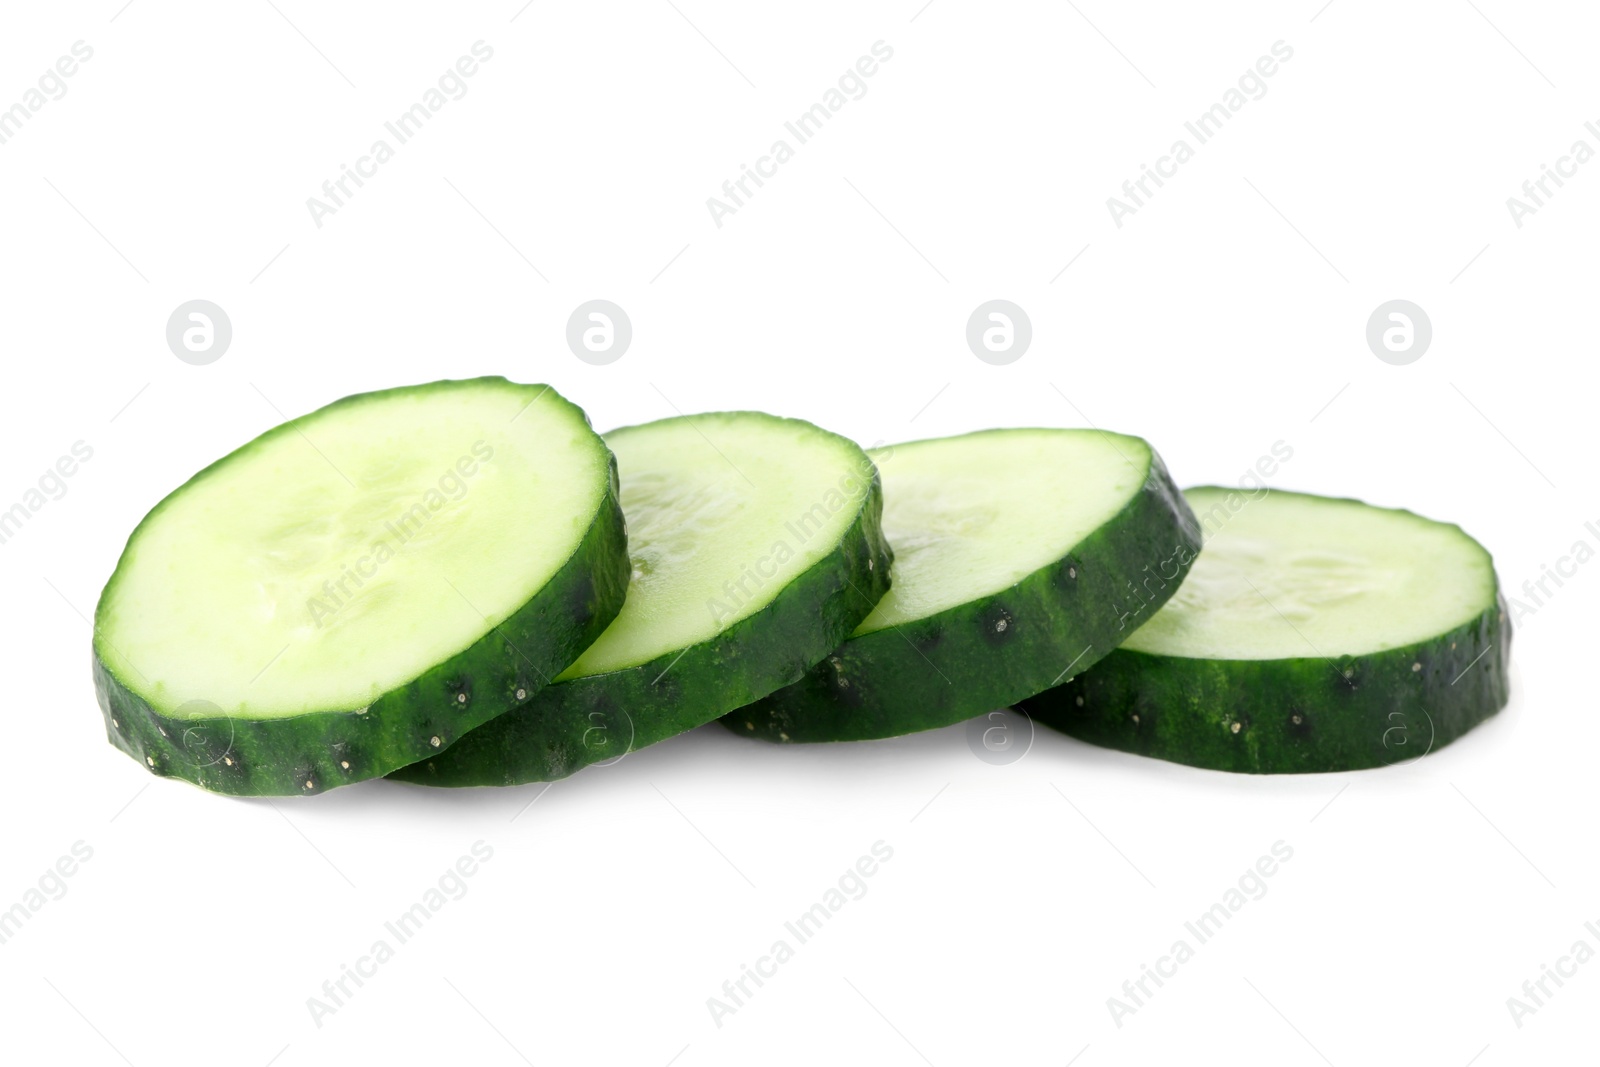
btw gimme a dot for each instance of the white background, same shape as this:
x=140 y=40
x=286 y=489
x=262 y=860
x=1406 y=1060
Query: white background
x=1226 y=315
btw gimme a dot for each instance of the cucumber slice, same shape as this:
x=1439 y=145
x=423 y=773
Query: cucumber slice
x=756 y=549
x=1021 y=555
x=1313 y=634
x=359 y=587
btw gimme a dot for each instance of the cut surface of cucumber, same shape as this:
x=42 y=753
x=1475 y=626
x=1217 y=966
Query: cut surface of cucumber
x=360 y=586
x=756 y=548
x=1313 y=634
x=1021 y=556
x=1291 y=574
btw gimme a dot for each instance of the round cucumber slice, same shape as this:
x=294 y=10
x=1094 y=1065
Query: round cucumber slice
x=1313 y=634
x=756 y=549
x=359 y=587
x=1020 y=556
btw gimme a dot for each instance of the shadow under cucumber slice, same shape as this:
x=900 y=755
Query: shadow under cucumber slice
x=359 y=587
x=756 y=547
x=1021 y=557
x=1314 y=634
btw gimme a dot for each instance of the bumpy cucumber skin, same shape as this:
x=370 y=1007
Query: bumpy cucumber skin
x=1290 y=716
x=313 y=753
x=601 y=718
x=995 y=651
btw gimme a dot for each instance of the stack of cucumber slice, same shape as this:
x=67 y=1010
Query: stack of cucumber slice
x=461 y=584
x=746 y=571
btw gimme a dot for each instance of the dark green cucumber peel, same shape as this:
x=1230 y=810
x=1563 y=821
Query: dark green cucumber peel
x=993 y=652
x=322 y=751
x=1290 y=716
x=316 y=752
x=600 y=718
